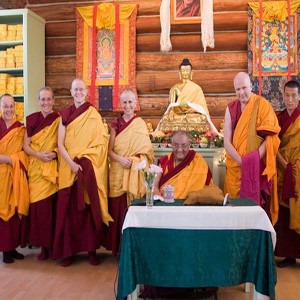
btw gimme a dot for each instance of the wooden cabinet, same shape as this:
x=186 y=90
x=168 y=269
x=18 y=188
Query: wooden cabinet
x=33 y=41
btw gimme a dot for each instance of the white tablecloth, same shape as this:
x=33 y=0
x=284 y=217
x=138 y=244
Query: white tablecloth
x=199 y=217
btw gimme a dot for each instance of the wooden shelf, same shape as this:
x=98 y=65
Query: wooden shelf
x=33 y=71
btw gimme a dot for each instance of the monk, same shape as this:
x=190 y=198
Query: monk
x=184 y=169
x=288 y=158
x=14 y=193
x=129 y=144
x=251 y=141
x=82 y=209
x=40 y=143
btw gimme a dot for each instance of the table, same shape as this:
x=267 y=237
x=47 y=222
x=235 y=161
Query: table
x=175 y=246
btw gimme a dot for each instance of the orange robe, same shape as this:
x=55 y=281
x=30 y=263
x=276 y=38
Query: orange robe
x=86 y=137
x=82 y=206
x=290 y=150
x=134 y=142
x=246 y=140
x=43 y=181
x=42 y=178
x=14 y=192
x=287 y=227
x=192 y=174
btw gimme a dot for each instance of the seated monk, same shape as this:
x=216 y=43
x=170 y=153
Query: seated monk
x=187 y=109
x=186 y=171
x=183 y=166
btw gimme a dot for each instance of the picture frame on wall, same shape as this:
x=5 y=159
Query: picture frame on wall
x=185 y=11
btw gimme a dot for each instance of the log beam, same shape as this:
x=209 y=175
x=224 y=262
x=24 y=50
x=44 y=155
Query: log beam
x=63 y=10
x=151 y=43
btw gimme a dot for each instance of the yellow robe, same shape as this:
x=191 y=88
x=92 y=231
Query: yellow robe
x=43 y=176
x=266 y=120
x=86 y=137
x=14 y=192
x=133 y=140
x=191 y=92
x=290 y=150
x=191 y=178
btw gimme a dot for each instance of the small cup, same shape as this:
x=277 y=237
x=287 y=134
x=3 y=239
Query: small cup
x=168 y=193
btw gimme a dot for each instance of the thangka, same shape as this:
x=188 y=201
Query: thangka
x=270 y=60
x=105 y=51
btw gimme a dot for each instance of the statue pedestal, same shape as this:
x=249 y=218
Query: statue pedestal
x=212 y=157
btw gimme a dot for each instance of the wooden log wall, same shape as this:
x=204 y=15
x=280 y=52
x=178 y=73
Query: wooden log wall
x=156 y=71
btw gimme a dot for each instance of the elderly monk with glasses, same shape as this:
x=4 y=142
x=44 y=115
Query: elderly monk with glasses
x=184 y=169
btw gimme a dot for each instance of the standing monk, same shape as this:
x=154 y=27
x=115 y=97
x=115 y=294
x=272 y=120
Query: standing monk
x=129 y=144
x=288 y=157
x=251 y=141
x=82 y=197
x=14 y=193
x=40 y=143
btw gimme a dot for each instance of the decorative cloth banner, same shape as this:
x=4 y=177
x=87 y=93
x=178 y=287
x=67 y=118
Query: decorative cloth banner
x=207 y=24
x=114 y=45
x=270 y=58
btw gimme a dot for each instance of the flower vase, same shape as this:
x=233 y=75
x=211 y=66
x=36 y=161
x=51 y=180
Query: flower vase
x=149 y=194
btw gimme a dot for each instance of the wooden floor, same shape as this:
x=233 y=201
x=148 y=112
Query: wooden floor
x=32 y=279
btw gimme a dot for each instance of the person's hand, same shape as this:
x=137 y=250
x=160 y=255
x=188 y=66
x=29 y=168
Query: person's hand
x=239 y=161
x=126 y=162
x=46 y=156
x=156 y=191
x=284 y=165
x=75 y=167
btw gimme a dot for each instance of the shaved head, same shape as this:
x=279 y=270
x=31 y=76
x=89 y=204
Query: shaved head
x=242 y=76
x=243 y=87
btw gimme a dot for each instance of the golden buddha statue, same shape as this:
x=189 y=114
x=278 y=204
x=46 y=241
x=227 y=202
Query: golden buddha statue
x=149 y=126
x=187 y=109
x=105 y=126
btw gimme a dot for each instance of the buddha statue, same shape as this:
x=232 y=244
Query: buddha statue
x=187 y=109
x=149 y=126
x=105 y=125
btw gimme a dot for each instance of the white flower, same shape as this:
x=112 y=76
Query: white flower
x=141 y=165
x=153 y=169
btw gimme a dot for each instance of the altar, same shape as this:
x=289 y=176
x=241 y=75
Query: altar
x=212 y=157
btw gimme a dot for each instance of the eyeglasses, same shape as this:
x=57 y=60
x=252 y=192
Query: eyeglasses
x=78 y=90
x=183 y=146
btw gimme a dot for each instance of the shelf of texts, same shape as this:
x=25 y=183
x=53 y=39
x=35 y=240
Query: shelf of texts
x=11 y=64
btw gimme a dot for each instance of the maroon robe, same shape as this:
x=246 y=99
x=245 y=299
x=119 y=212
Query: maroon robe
x=79 y=227
x=192 y=10
x=288 y=241
x=41 y=213
x=172 y=171
x=13 y=233
x=117 y=206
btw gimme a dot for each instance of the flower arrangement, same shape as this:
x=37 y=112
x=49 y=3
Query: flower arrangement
x=150 y=173
x=149 y=176
x=207 y=138
x=195 y=136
